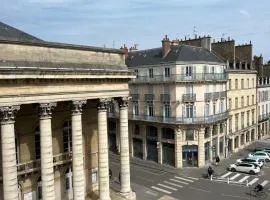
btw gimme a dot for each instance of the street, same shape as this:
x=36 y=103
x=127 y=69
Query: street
x=152 y=181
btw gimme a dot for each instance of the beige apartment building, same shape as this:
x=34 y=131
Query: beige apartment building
x=53 y=105
x=178 y=110
x=241 y=93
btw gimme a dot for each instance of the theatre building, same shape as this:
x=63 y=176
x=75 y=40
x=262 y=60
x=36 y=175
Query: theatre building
x=53 y=105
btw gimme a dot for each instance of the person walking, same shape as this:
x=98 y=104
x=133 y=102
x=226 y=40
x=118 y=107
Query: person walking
x=210 y=171
x=217 y=160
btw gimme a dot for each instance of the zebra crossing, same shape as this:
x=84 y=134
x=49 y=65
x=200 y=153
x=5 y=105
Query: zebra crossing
x=243 y=178
x=173 y=184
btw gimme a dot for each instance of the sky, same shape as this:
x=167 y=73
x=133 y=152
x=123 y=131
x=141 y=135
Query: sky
x=112 y=23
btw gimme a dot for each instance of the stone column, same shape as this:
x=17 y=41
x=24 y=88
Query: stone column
x=178 y=148
x=218 y=140
x=9 y=173
x=232 y=144
x=144 y=139
x=201 y=154
x=159 y=145
x=211 y=144
x=47 y=172
x=103 y=161
x=125 y=190
x=77 y=151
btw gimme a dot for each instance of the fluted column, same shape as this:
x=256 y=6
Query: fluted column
x=47 y=172
x=178 y=148
x=10 y=181
x=77 y=151
x=211 y=144
x=124 y=149
x=201 y=155
x=103 y=161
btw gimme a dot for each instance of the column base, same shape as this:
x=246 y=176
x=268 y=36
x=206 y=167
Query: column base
x=129 y=195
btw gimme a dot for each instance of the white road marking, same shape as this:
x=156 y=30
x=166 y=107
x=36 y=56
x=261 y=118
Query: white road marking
x=192 y=178
x=173 y=184
x=183 y=179
x=178 y=181
x=161 y=190
x=243 y=179
x=225 y=175
x=235 y=176
x=162 y=185
x=264 y=183
x=253 y=181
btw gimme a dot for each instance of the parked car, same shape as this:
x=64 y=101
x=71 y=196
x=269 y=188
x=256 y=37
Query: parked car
x=245 y=167
x=260 y=155
x=253 y=160
x=264 y=150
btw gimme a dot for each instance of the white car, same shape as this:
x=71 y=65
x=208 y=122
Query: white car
x=245 y=167
x=252 y=160
x=261 y=155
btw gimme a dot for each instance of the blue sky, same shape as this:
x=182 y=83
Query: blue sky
x=116 y=22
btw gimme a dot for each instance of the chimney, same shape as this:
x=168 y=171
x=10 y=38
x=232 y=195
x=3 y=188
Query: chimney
x=166 y=46
x=125 y=50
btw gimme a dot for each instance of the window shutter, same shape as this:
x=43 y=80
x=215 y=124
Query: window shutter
x=194 y=111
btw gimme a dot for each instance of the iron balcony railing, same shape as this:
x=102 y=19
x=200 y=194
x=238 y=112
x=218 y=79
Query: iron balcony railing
x=165 y=97
x=181 y=77
x=264 y=117
x=182 y=120
x=189 y=97
x=214 y=95
x=149 y=97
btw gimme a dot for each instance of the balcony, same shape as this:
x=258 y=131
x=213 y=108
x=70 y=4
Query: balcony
x=35 y=165
x=263 y=117
x=208 y=96
x=181 y=78
x=222 y=94
x=189 y=97
x=165 y=98
x=214 y=95
x=181 y=120
x=149 y=97
x=135 y=97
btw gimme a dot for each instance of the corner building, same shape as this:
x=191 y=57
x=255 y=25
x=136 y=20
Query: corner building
x=178 y=107
x=53 y=105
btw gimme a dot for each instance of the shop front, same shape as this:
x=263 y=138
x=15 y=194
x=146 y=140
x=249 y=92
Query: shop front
x=190 y=155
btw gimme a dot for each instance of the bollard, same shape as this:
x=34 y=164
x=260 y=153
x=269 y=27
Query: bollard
x=211 y=177
x=228 y=180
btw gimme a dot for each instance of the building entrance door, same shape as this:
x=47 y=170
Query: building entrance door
x=137 y=148
x=168 y=154
x=152 y=152
x=190 y=155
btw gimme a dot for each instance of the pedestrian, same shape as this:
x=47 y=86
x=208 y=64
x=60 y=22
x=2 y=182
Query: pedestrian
x=217 y=160
x=210 y=171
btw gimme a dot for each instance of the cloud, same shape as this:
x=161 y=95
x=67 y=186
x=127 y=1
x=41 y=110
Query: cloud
x=245 y=13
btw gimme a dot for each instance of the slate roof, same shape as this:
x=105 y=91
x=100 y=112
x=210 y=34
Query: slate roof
x=182 y=53
x=12 y=34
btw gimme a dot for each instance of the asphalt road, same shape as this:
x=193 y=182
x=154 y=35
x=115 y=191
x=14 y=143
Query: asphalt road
x=151 y=181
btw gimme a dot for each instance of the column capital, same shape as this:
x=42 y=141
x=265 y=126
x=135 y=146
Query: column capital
x=123 y=102
x=8 y=112
x=76 y=106
x=103 y=103
x=46 y=109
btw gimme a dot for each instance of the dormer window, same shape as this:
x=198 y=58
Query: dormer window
x=167 y=72
x=151 y=73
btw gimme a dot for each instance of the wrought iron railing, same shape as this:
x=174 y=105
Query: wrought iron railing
x=214 y=95
x=181 y=77
x=189 y=97
x=264 y=117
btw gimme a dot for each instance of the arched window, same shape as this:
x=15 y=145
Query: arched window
x=67 y=136
x=37 y=142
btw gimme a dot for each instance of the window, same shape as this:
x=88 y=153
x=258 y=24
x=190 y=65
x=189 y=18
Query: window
x=248 y=83
x=221 y=106
x=135 y=108
x=242 y=83
x=136 y=73
x=189 y=89
x=230 y=84
x=236 y=102
x=230 y=124
x=207 y=109
x=189 y=111
x=137 y=129
x=150 y=109
x=151 y=73
x=230 y=104
x=247 y=100
x=248 y=118
x=37 y=143
x=189 y=134
x=221 y=128
x=253 y=100
x=168 y=133
x=214 y=107
x=242 y=101
x=167 y=110
x=236 y=122
x=242 y=119
x=188 y=71
x=253 y=116
x=253 y=83
x=167 y=72
x=236 y=84
x=67 y=136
